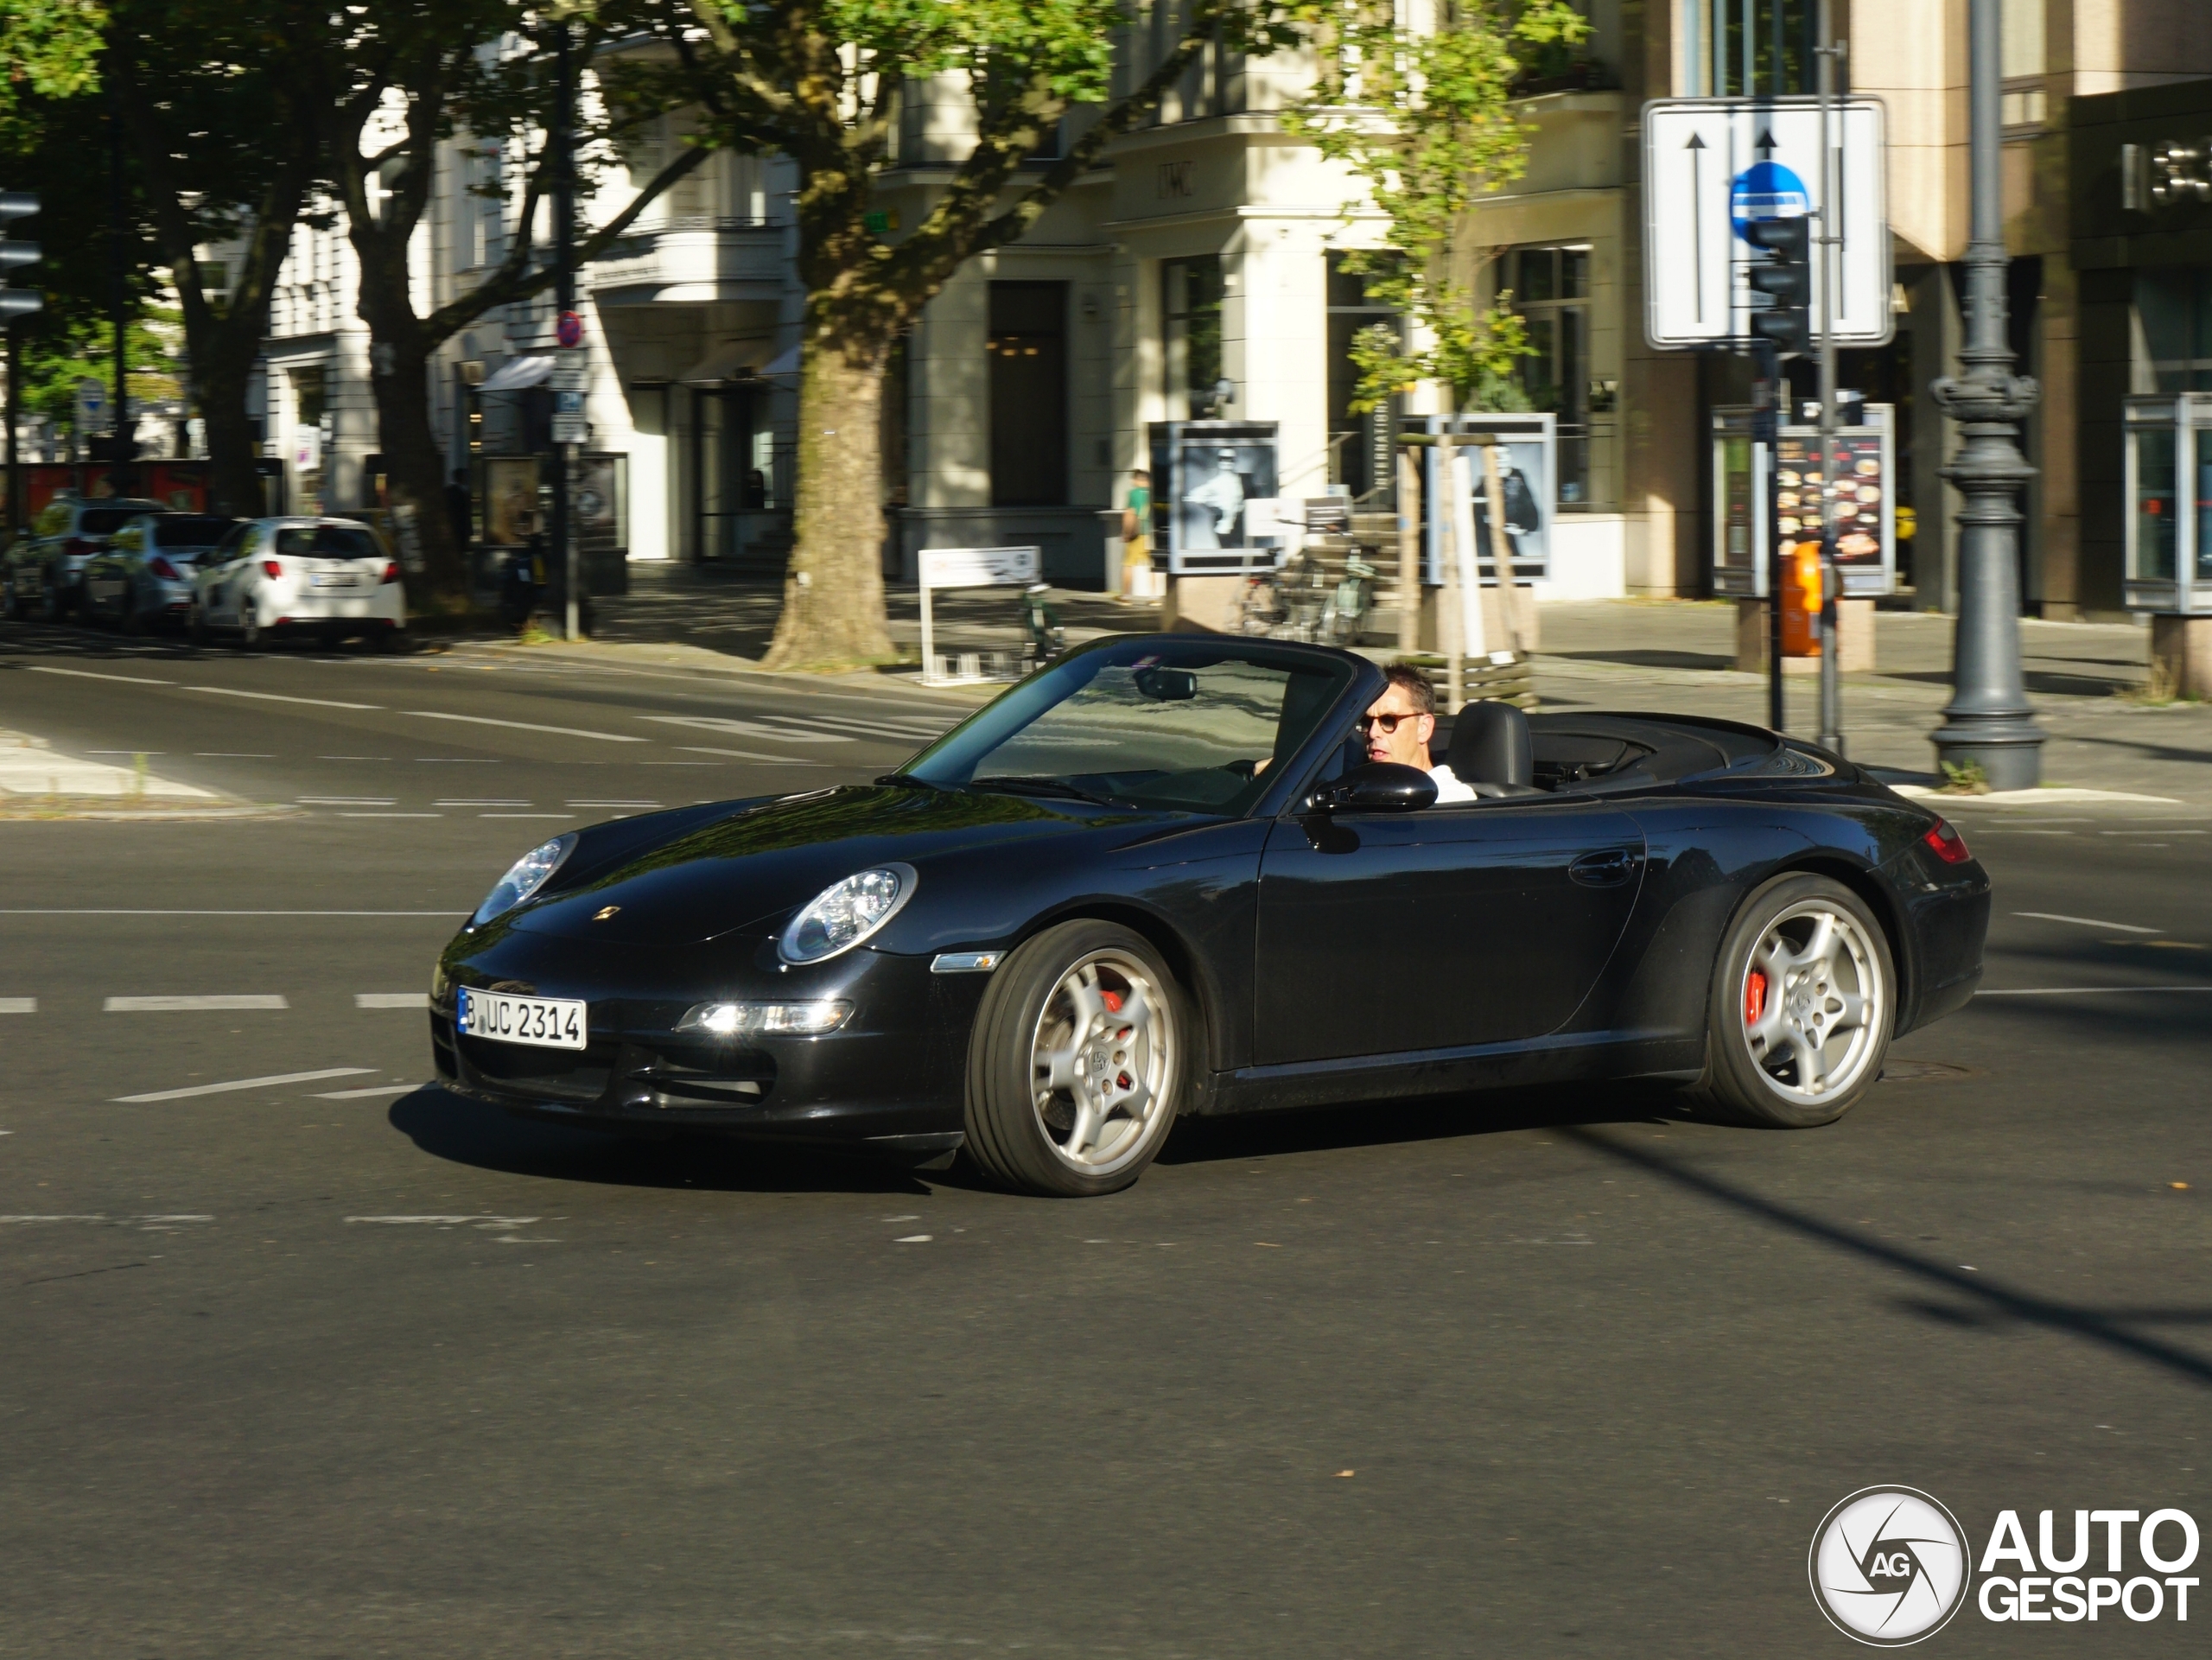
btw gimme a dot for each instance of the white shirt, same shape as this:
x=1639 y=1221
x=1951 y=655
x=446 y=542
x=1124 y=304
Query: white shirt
x=1448 y=787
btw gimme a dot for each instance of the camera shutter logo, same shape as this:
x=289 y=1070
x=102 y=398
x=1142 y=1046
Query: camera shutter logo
x=1889 y=1566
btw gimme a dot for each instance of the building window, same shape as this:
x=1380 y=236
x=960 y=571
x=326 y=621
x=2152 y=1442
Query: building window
x=1551 y=290
x=1736 y=48
x=1190 y=293
x=2021 y=62
x=1028 y=348
x=2173 y=310
x=1359 y=445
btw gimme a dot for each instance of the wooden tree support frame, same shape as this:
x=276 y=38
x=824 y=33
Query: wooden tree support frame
x=1494 y=675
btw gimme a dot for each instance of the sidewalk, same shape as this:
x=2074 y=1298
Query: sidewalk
x=1619 y=654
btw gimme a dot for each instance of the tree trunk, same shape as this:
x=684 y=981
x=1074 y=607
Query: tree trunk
x=432 y=562
x=234 y=482
x=833 y=596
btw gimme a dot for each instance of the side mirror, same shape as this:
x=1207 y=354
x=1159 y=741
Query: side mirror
x=1377 y=786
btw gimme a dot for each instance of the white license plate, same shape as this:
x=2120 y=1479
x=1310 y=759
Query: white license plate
x=332 y=582
x=548 y=1022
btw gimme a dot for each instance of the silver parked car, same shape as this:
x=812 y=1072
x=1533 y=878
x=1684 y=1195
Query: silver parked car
x=142 y=578
x=45 y=568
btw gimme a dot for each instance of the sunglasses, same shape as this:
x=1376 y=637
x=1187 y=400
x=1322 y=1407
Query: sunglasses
x=1388 y=722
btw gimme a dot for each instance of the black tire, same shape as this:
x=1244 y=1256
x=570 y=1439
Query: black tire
x=130 y=620
x=1019 y=1133
x=250 y=636
x=392 y=641
x=1830 y=1017
x=195 y=623
x=52 y=607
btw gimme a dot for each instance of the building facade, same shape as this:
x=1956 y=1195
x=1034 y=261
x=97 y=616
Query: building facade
x=1197 y=271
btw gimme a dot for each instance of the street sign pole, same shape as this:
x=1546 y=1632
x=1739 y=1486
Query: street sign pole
x=1767 y=392
x=1830 y=239
x=564 y=244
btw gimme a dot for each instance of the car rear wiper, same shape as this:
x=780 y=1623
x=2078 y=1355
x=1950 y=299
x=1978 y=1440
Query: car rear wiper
x=1039 y=785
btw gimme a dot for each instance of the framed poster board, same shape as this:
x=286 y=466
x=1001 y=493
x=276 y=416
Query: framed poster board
x=1865 y=464
x=1203 y=473
x=1528 y=475
x=511 y=507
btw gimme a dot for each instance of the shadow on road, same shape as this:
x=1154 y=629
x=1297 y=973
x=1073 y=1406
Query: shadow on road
x=467 y=1132
x=1975 y=1301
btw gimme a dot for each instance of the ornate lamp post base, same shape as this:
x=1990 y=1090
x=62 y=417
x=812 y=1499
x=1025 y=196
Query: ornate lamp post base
x=1989 y=723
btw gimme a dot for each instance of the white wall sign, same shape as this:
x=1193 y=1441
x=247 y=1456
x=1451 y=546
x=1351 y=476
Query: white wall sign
x=977 y=567
x=1710 y=164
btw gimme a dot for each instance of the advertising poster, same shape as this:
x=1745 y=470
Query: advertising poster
x=509 y=500
x=1210 y=469
x=1863 y=513
x=1525 y=476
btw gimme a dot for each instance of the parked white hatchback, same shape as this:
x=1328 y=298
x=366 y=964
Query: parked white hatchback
x=331 y=577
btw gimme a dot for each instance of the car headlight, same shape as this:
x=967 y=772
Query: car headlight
x=743 y=1019
x=844 y=913
x=524 y=877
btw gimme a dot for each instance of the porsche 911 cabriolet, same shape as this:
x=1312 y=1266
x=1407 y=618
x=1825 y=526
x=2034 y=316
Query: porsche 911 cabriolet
x=1161 y=876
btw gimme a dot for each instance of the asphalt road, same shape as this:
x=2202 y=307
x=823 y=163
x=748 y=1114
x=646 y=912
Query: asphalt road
x=337 y=1364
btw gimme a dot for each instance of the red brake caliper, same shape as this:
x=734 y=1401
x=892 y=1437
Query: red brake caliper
x=1113 y=1002
x=1754 y=997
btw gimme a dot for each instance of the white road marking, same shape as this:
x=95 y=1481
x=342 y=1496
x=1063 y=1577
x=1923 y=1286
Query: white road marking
x=615 y=804
x=233 y=914
x=914 y=1239
x=240 y=754
x=341 y=758
x=347 y=800
x=268 y=1083
x=2082 y=991
x=747 y=755
x=391 y=814
x=392 y=999
x=481 y=1219
x=477 y=804
x=173 y=1005
x=2086 y=922
x=525 y=815
x=526 y=726
x=359 y=1095
x=279 y=697
x=884 y=729
x=86 y=674
x=150 y=754
x=747 y=728
x=18 y=1005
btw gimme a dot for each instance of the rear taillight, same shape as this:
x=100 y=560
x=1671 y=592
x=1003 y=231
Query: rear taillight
x=391 y=570
x=271 y=569
x=1947 y=844
x=162 y=568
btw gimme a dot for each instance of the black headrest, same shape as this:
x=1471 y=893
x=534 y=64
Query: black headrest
x=1491 y=745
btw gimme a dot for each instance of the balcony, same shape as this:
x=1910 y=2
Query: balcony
x=694 y=259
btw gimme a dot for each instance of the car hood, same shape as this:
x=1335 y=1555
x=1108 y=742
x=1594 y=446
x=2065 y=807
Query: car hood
x=747 y=871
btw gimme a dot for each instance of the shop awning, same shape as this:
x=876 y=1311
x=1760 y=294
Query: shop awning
x=517 y=373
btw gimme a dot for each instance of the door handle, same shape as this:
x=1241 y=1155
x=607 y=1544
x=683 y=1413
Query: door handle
x=1608 y=868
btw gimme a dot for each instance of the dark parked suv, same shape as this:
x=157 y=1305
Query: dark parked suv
x=45 y=567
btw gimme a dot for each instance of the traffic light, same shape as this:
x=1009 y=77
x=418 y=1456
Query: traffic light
x=15 y=302
x=1782 y=284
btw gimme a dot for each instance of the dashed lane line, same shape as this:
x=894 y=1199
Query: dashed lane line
x=347 y=800
x=233 y=1000
x=273 y=1081
x=18 y=1005
x=526 y=726
x=278 y=697
x=392 y=999
x=2086 y=922
x=363 y=1094
x=391 y=814
x=88 y=674
x=747 y=728
x=747 y=754
x=525 y=815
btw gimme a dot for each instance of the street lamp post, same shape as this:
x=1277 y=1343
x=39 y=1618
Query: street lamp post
x=1989 y=723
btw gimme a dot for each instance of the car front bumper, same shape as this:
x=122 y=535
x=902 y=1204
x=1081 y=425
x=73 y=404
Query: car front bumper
x=892 y=1074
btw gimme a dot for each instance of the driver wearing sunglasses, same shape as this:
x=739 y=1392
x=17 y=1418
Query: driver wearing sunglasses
x=1399 y=724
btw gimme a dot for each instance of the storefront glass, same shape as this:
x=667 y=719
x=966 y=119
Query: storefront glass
x=2157 y=525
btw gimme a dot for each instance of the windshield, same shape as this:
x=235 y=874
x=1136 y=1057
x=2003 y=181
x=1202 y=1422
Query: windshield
x=1149 y=723
x=105 y=521
x=189 y=530
x=329 y=541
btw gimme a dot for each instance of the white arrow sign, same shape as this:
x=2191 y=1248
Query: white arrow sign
x=1711 y=163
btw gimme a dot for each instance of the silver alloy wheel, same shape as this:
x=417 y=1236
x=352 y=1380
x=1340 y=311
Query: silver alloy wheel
x=1102 y=1063
x=1813 y=1002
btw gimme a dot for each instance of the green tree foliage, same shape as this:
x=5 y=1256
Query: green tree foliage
x=1423 y=118
x=823 y=82
x=50 y=48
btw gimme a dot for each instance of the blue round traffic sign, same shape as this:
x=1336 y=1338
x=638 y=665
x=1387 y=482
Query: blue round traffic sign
x=1767 y=190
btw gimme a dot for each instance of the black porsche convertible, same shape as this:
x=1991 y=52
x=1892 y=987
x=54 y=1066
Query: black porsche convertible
x=1161 y=876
